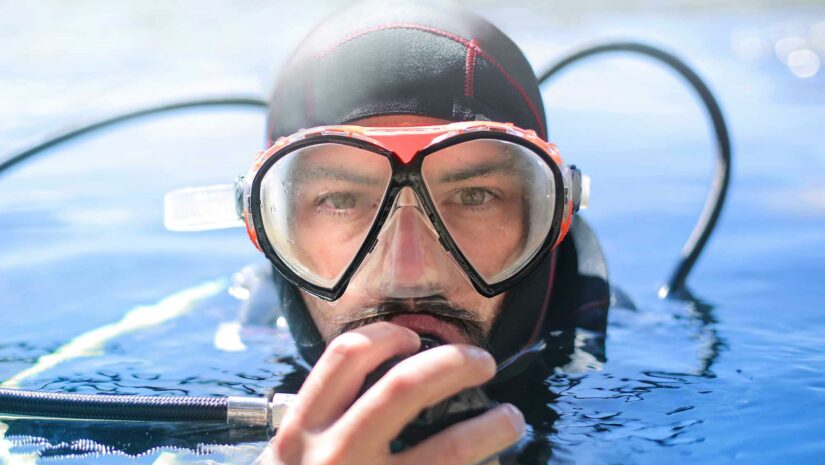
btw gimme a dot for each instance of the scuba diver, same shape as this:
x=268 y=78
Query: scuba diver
x=424 y=204
x=425 y=247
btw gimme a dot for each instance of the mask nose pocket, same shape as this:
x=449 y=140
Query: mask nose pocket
x=408 y=260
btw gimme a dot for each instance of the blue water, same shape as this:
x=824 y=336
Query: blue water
x=737 y=377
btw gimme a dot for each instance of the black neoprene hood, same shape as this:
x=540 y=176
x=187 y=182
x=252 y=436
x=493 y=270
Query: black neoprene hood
x=402 y=57
x=395 y=57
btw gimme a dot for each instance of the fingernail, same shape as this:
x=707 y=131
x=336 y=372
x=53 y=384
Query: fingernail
x=485 y=358
x=480 y=354
x=516 y=418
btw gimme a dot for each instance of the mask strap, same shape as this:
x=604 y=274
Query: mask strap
x=203 y=208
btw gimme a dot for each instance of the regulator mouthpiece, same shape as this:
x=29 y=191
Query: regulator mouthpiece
x=432 y=420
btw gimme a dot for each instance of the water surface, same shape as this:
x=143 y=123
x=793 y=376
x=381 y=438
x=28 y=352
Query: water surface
x=736 y=376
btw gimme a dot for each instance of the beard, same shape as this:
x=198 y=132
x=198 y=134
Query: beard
x=470 y=325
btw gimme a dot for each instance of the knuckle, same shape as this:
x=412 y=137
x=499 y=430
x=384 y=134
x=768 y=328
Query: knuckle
x=296 y=416
x=288 y=445
x=286 y=435
x=366 y=338
x=400 y=384
x=332 y=454
x=349 y=345
x=393 y=331
x=487 y=367
x=510 y=421
x=476 y=361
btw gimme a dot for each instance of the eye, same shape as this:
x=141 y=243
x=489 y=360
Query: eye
x=337 y=201
x=474 y=196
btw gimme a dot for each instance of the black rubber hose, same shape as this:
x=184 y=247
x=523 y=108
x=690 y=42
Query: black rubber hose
x=675 y=286
x=72 y=132
x=151 y=408
x=112 y=407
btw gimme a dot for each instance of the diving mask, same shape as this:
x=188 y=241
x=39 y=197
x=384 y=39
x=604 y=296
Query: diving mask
x=494 y=199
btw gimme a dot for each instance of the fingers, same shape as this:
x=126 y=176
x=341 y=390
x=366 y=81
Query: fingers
x=337 y=377
x=412 y=385
x=471 y=441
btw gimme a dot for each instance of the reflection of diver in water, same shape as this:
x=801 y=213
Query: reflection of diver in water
x=463 y=233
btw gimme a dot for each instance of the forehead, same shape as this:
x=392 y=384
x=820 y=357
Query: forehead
x=462 y=154
x=399 y=121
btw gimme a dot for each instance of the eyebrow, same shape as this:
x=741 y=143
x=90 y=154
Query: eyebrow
x=336 y=174
x=483 y=169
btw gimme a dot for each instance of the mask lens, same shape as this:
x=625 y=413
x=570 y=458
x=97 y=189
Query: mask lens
x=496 y=199
x=318 y=204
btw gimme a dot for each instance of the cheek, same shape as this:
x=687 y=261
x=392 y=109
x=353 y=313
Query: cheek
x=328 y=315
x=322 y=253
x=485 y=309
x=491 y=250
x=322 y=313
x=488 y=309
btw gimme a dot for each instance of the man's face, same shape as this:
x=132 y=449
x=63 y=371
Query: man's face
x=454 y=311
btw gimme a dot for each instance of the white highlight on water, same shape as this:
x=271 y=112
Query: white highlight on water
x=92 y=342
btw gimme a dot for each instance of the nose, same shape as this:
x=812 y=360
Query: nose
x=408 y=244
x=411 y=266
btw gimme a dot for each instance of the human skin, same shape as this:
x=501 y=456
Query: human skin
x=413 y=256
x=328 y=424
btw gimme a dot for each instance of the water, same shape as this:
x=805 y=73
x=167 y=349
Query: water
x=735 y=377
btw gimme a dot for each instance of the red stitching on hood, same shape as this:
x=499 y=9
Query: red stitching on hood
x=470 y=69
x=470 y=44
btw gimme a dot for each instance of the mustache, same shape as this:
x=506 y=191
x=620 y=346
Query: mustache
x=439 y=307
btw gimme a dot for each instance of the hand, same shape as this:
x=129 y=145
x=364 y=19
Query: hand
x=327 y=425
